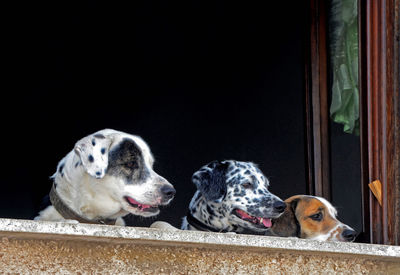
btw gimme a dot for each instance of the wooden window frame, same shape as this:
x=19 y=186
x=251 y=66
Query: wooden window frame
x=379 y=87
x=317 y=116
x=379 y=113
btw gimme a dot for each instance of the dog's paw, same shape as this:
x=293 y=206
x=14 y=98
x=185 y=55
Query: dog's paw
x=163 y=225
x=120 y=222
x=69 y=221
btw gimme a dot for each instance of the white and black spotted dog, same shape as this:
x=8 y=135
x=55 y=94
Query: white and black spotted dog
x=108 y=175
x=232 y=196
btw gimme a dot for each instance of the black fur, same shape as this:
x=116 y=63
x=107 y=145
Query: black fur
x=223 y=188
x=212 y=183
x=126 y=159
x=100 y=136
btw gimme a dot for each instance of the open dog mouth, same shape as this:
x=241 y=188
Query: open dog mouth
x=258 y=221
x=142 y=207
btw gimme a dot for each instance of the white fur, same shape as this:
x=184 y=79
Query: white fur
x=84 y=148
x=103 y=197
x=328 y=236
x=334 y=233
x=332 y=210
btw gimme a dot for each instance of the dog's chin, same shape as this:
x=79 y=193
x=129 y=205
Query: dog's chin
x=140 y=209
x=136 y=212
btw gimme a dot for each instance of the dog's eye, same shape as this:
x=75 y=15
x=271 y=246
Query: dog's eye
x=247 y=185
x=316 y=217
x=103 y=151
x=130 y=164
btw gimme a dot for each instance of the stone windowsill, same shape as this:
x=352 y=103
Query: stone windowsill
x=137 y=250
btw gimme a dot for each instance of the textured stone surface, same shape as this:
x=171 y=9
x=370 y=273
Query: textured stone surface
x=37 y=247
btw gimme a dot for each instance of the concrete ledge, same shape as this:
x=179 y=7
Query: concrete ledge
x=35 y=247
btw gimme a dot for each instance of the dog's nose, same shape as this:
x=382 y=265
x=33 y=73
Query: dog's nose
x=349 y=235
x=168 y=191
x=279 y=206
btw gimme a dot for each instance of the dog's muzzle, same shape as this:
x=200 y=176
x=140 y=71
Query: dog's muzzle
x=349 y=235
x=168 y=192
x=279 y=206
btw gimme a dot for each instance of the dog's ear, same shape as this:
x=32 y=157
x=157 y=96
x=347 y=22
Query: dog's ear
x=293 y=205
x=79 y=148
x=286 y=225
x=82 y=150
x=210 y=180
x=110 y=138
x=93 y=151
x=85 y=146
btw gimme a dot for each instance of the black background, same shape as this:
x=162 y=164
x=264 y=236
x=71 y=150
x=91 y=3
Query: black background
x=196 y=80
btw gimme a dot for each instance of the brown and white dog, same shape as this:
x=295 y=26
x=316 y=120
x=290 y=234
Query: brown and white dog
x=311 y=217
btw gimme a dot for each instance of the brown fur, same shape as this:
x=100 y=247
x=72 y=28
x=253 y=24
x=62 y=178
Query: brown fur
x=296 y=221
x=285 y=225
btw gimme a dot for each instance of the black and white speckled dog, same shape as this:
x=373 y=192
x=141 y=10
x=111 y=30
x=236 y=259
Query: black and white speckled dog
x=232 y=196
x=108 y=175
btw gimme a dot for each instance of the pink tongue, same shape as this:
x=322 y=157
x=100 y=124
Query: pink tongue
x=267 y=222
x=244 y=215
x=144 y=206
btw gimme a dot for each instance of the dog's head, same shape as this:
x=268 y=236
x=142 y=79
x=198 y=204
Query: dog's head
x=311 y=217
x=93 y=152
x=130 y=179
x=241 y=190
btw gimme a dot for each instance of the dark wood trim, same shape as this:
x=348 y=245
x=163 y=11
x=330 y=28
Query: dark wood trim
x=317 y=111
x=379 y=97
x=364 y=236
x=308 y=103
x=396 y=164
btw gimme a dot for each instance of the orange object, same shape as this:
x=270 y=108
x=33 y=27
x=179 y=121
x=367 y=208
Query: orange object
x=376 y=188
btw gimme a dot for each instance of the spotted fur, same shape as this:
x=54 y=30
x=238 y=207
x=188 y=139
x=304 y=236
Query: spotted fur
x=126 y=184
x=93 y=153
x=227 y=186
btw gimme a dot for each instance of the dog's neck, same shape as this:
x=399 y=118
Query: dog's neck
x=84 y=194
x=211 y=214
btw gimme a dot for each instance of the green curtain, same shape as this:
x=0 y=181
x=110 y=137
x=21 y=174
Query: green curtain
x=343 y=37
